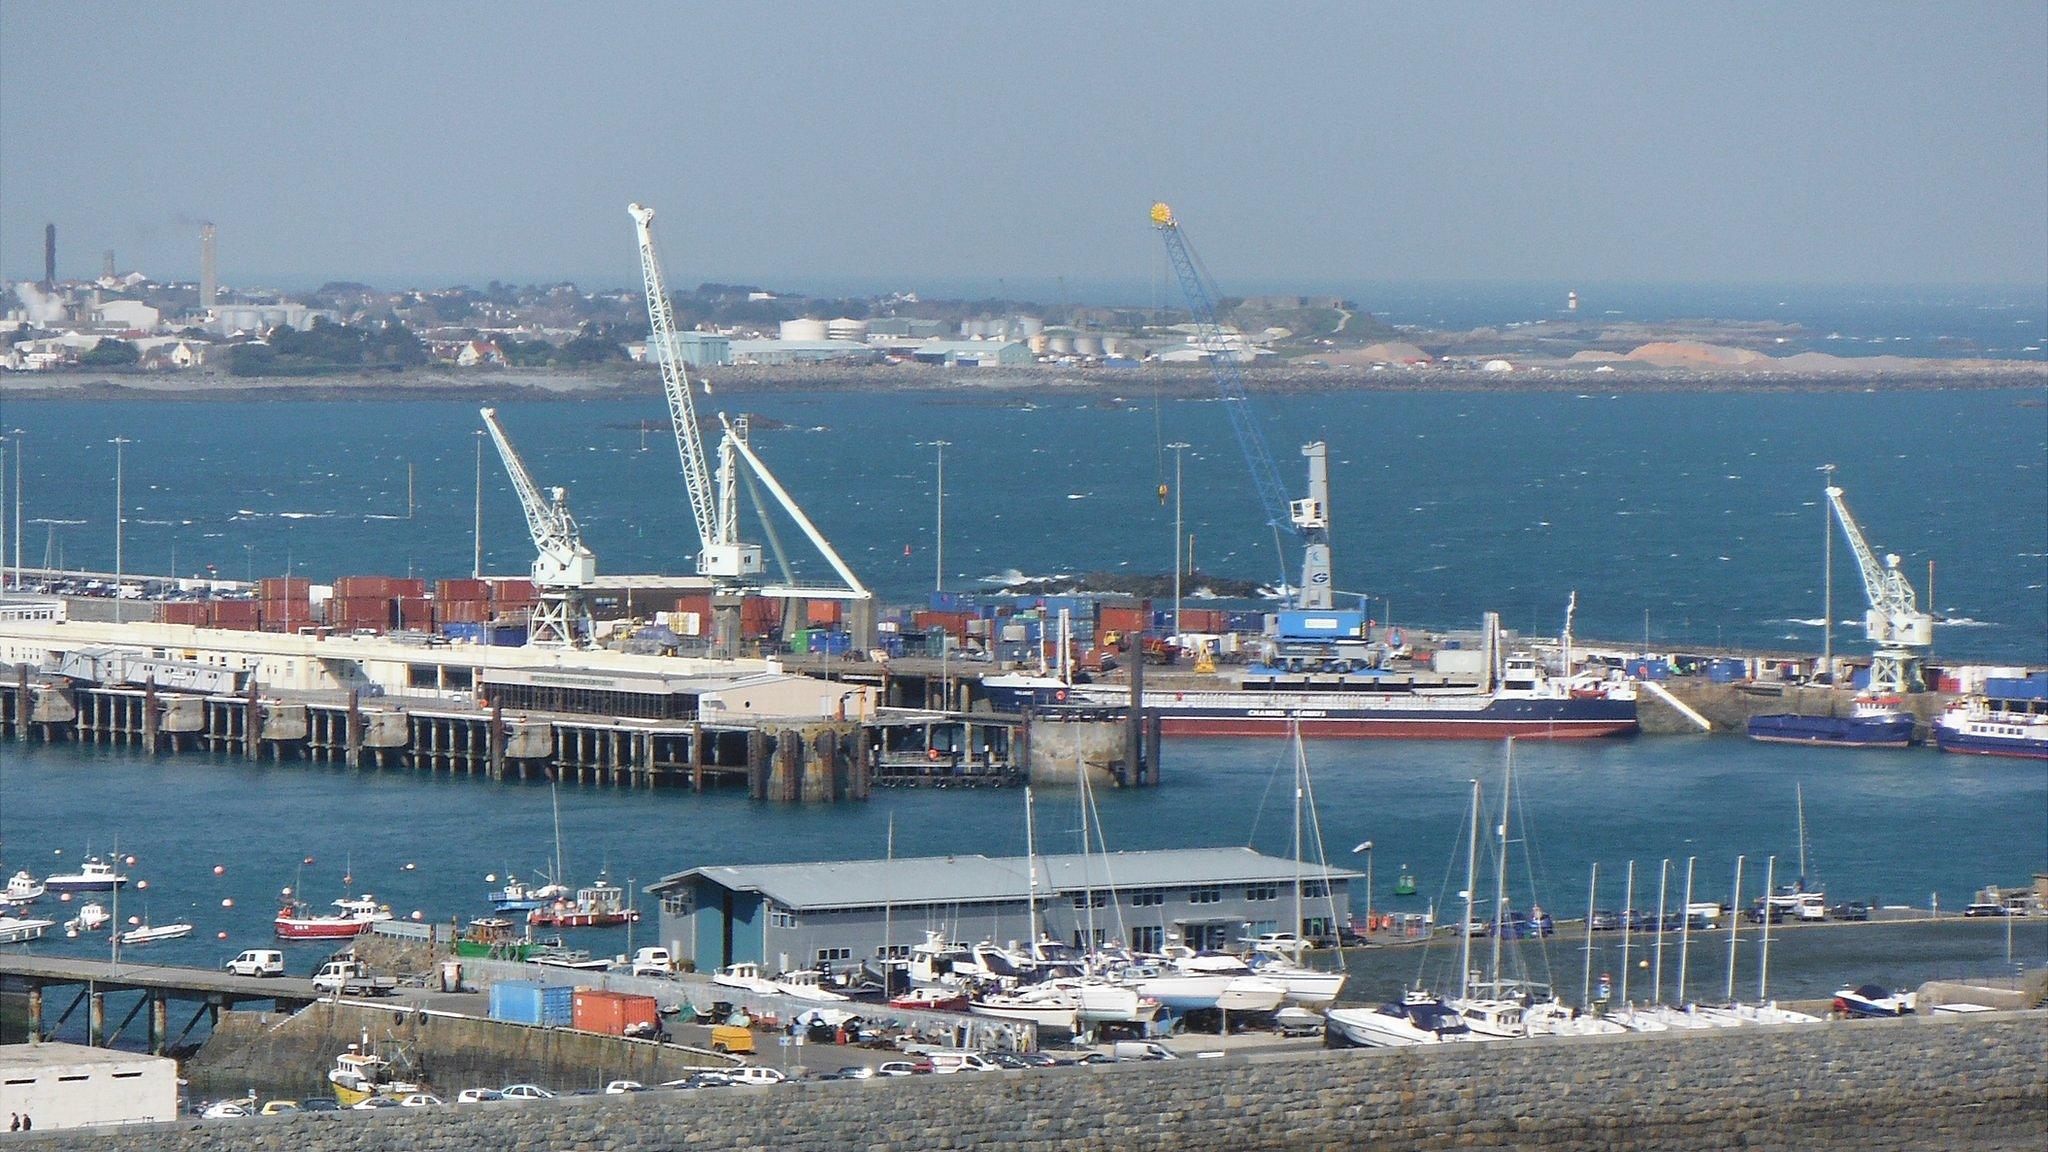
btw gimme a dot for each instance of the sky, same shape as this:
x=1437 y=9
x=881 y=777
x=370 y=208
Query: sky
x=995 y=145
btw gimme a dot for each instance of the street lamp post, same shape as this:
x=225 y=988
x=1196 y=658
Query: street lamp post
x=120 y=443
x=1177 y=447
x=249 y=564
x=476 y=567
x=18 y=452
x=1367 y=849
x=939 y=552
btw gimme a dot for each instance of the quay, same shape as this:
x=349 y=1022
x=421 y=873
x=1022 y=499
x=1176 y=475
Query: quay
x=209 y=990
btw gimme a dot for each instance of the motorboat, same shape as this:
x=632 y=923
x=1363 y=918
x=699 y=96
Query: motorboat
x=553 y=955
x=1410 y=1022
x=352 y=917
x=95 y=875
x=1106 y=1002
x=600 y=905
x=358 y=1075
x=1293 y=1021
x=21 y=889
x=937 y=960
x=1873 y=1000
x=1310 y=987
x=808 y=984
x=1771 y=1014
x=17 y=930
x=145 y=934
x=747 y=978
x=1556 y=1018
x=930 y=999
x=90 y=918
x=1500 y=1019
x=519 y=896
x=1047 y=1007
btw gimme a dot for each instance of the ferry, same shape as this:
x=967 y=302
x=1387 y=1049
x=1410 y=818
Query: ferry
x=1527 y=704
x=296 y=922
x=1873 y=722
x=2009 y=718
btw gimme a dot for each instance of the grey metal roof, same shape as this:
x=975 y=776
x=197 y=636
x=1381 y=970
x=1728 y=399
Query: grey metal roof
x=962 y=879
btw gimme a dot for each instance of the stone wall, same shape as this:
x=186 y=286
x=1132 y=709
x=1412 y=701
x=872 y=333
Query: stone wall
x=1973 y=1083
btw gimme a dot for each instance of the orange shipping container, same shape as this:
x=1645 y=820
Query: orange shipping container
x=611 y=1012
x=823 y=611
x=464 y=589
x=699 y=603
x=513 y=592
x=195 y=612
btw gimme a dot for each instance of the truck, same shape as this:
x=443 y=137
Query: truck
x=347 y=976
x=653 y=962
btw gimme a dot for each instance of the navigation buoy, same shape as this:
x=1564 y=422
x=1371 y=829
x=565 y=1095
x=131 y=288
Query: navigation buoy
x=219 y=870
x=135 y=921
x=307 y=860
x=285 y=891
x=131 y=861
x=63 y=897
x=490 y=877
x=220 y=936
x=142 y=883
x=416 y=914
x=227 y=902
x=410 y=867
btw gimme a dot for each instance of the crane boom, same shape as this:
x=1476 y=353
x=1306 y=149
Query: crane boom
x=1894 y=622
x=563 y=566
x=675 y=381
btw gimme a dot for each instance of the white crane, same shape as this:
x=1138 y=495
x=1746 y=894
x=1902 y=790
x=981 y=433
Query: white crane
x=733 y=565
x=1894 y=623
x=563 y=566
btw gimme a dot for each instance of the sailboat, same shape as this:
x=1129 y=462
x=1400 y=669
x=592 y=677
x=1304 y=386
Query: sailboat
x=519 y=896
x=1279 y=956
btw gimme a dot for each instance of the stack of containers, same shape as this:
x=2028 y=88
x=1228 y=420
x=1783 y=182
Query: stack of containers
x=462 y=601
x=283 y=603
x=239 y=615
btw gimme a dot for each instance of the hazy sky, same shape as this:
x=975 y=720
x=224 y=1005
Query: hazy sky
x=797 y=144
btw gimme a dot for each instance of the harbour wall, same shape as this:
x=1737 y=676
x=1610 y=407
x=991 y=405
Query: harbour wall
x=1729 y=706
x=1972 y=1083
x=289 y=1055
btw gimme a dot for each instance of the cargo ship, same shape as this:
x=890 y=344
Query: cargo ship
x=1874 y=722
x=2009 y=718
x=1525 y=703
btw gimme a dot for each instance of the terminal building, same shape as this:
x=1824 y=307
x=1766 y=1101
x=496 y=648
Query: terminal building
x=71 y=1086
x=844 y=913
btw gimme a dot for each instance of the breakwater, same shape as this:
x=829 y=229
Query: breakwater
x=1978 y=1083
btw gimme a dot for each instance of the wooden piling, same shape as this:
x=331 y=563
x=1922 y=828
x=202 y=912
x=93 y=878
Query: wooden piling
x=252 y=723
x=149 y=716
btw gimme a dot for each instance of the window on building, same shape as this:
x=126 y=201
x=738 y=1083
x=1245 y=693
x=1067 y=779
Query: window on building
x=893 y=952
x=1081 y=939
x=1091 y=900
x=1205 y=895
x=1150 y=899
x=1262 y=927
x=781 y=918
x=1148 y=937
x=1315 y=927
x=676 y=904
x=1315 y=889
x=1262 y=891
x=827 y=955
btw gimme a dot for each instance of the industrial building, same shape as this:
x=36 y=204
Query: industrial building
x=786 y=352
x=842 y=913
x=72 y=1086
x=973 y=353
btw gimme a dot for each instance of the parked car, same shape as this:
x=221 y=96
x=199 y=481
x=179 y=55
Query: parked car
x=226 y=1110
x=525 y=1092
x=319 y=1104
x=1142 y=1050
x=621 y=1087
x=1094 y=1058
x=1853 y=910
x=1603 y=920
x=1985 y=908
x=257 y=962
x=279 y=1107
x=851 y=1072
x=753 y=1074
x=421 y=1100
x=905 y=1068
x=374 y=1103
x=478 y=1095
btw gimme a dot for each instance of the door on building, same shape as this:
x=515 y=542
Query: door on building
x=1210 y=936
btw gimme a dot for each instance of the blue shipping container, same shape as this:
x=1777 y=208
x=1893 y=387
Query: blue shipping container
x=1321 y=624
x=1642 y=669
x=530 y=1002
x=2032 y=688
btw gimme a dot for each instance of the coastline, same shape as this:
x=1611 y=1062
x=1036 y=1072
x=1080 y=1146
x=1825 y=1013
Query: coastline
x=1019 y=384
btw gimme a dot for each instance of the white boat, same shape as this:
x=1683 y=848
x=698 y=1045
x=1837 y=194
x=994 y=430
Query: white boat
x=747 y=978
x=1309 y=987
x=1402 y=1025
x=1771 y=1014
x=22 y=888
x=145 y=934
x=1632 y=1019
x=936 y=960
x=1677 y=1017
x=90 y=918
x=1103 y=1002
x=1046 y=1007
x=807 y=985
x=16 y=930
x=95 y=875
x=1556 y=1018
x=1873 y=1000
x=1500 y=1019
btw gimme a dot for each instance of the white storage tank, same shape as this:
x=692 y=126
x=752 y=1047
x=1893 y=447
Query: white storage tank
x=803 y=328
x=847 y=328
x=1087 y=345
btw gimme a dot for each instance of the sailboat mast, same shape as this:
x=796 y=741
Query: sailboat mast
x=1763 y=970
x=889 y=905
x=555 y=798
x=1799 y=798
x=1030 y=859
x=1471 y=880
x=1500 y=869
x=1299 y=768
x=1628 y=925
x=1685 y=930
x=1592 y=894
x=1657 y=965
x=1735 y=925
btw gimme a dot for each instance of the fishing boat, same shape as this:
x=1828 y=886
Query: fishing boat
x=146 y=934
x=17 y=930
x=354 y=915
x=492 y=938
x=2008 y=718
x=1413 y=1021
x=519 y=896
x=808 y=984
x=600 y=905
x=1873 y=722
x=95 y=875
x=358 y=1075
x=745 y=977
x=21 y=889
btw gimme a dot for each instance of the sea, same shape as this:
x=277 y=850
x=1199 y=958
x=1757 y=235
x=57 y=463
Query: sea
x=1695 y=519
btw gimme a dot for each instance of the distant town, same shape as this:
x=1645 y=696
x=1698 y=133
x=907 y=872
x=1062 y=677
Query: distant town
x=131 y=324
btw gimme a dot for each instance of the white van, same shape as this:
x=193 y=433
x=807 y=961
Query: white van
x=946 y=1063
x=257 y=962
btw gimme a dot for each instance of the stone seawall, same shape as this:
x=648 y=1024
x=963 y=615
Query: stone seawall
x=289 y=1056
x=1975 y=1083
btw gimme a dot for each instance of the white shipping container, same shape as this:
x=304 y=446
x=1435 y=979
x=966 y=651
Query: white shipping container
x=1459 y=662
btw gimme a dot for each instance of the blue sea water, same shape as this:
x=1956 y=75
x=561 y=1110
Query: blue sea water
x=1704 y=512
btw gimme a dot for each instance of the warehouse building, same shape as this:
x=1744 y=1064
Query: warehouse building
x=974 y=353
x=843 y=913
x=58 y=1086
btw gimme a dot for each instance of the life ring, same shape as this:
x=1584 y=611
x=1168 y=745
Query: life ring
x=1060 y=696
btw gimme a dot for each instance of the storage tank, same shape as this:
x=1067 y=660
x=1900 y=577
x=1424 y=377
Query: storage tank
x=846 y=328
x=1060 y=344
x=1087 y=345
x=803 y=328
x=1030 y=325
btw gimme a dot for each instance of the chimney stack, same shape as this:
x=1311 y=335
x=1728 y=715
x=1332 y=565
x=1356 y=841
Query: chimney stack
x=107 y=267
x=209 y=283
x=49 y=257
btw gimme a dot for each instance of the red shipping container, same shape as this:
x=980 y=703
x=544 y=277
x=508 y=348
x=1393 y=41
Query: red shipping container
x=700 y=603
x=194 y=612
x=513 y=591
x=462 y=611
x=283 y=588
x=1125 y=619
x=362 y=587
x=239 y=614
x=612 y=1013
x=416 y=612
x=822 y=612
x=461 y=590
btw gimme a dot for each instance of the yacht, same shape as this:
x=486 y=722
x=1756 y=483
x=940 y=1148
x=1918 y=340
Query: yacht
x=1873 y=1000
x=1412 y=1021
x=21 y=889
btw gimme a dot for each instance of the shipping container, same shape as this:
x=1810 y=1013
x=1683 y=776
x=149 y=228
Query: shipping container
x=464 y=589
x=594 y=1010
x=416 y=612
x=700 y=603
x=241 y=615
x=531 y=1002
x=1323 y=624
x=1124 y=618
x=378 y=587
x=512 y=592
x=822 y=612
x=283 y=588
x=198 y=613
